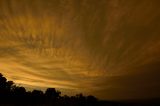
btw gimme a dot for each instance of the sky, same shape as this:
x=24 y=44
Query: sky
x=107 y=48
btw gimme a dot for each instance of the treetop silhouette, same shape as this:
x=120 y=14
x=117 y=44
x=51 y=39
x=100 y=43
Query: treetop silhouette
x=10 y=93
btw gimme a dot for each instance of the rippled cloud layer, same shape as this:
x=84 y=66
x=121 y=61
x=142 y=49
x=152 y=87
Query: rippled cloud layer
x=108 y=48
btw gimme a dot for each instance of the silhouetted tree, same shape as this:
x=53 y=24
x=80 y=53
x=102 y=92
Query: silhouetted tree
x=37 y=96
x=9 y=84
x=10 y=93
x=2 y=82
x=52 y=93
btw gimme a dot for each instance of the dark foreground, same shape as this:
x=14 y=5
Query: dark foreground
x=12 y=95
x=80 y=103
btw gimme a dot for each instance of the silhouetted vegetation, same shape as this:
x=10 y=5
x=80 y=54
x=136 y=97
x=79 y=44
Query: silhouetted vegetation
x=12 y=95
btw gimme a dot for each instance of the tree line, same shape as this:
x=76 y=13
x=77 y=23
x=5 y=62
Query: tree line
x=13 y=95
x=10 y=93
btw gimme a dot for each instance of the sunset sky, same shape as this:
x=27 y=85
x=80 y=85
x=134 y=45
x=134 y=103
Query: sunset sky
x=107 y=48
